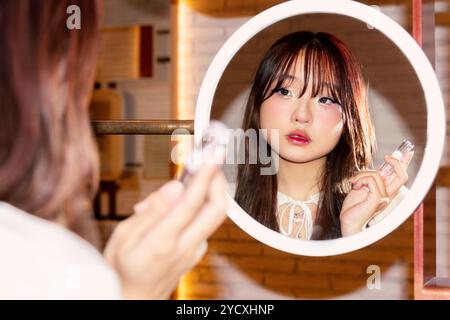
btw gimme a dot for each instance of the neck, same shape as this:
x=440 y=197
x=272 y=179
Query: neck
x=300 y=180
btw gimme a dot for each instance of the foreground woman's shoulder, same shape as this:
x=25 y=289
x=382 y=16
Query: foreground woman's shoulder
x=42 y=260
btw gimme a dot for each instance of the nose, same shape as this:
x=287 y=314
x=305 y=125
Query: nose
x=302 y=112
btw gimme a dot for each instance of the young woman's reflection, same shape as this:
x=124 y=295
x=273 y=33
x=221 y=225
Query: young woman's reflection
x=310 y=87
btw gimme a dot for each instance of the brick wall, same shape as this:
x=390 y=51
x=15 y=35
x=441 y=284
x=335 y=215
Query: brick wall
x=237 y=266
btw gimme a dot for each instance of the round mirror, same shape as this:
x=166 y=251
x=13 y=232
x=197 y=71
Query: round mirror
x=401 y=99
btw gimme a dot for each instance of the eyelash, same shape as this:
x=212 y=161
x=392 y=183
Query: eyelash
x=285 y=92
x=331 y=100
x=280 y=90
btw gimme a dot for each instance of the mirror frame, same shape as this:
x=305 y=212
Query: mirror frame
x=435 y=121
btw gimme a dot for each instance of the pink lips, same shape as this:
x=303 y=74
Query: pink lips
x=299 y=137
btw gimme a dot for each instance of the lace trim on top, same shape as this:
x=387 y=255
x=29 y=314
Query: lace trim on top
x=302 y=220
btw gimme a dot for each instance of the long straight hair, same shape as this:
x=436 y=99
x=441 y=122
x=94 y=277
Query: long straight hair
x=326 y=60
x=48 y=157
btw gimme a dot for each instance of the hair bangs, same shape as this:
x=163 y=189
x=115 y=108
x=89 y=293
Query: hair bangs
x=282 y=64
x=321 y=72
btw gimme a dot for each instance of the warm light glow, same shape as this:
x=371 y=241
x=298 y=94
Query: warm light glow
x=183 y=288
x=184 y=109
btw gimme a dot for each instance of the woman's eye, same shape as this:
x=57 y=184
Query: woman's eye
x=283 y=92
x=326 y=100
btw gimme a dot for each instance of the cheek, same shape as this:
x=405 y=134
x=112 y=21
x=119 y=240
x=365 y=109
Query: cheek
x=267 y=113
x=273 y=114
x=330 y=121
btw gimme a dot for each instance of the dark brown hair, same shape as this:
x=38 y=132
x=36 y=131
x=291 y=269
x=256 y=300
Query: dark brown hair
x=48 y=158
x=326 y=60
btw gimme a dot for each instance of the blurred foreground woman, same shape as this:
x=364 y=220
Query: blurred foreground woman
x=49 y=175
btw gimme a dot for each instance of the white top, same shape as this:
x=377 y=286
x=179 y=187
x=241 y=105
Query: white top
x=42 y=260
x=295 y=216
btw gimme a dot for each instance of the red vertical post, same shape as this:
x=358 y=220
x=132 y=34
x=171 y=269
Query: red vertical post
x=425 y=216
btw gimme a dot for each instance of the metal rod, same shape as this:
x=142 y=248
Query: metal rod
x=147 y=127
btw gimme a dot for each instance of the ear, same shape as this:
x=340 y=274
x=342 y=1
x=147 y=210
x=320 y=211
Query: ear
x=343 y=115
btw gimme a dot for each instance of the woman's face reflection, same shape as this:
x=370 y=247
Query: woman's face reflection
x=309 y=126
x=310 y=88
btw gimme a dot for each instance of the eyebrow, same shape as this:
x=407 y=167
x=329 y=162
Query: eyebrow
x=284 y=76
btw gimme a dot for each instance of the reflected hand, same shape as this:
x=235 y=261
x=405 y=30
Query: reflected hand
x=167 y=235
x=370 y=194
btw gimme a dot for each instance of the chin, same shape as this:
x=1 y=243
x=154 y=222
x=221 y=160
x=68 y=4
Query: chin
x=300 y=156
x=297 y=158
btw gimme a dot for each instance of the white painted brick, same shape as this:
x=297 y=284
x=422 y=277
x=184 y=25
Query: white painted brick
x=196 y=35
x=201 y=20
x=207 y=48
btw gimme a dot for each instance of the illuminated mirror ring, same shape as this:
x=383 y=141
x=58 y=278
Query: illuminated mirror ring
x=435 y=121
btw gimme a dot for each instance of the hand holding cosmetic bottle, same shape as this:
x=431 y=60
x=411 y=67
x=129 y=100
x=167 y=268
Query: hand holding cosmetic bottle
x=167 y=234
x=373 y=190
